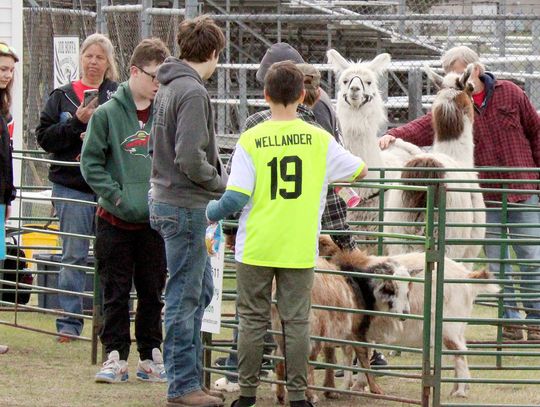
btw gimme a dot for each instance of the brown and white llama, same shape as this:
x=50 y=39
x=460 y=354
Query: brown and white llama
x=362 y=117
x=337 y=291
x=453 y=148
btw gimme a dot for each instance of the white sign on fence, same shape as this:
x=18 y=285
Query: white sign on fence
x=212 y=314
x=66 y=60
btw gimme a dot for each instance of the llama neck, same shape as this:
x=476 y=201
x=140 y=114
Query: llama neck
x=460 y=149
x=360 y=129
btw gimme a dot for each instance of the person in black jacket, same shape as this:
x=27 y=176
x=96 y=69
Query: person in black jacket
x=8 y=58
x=60 y=132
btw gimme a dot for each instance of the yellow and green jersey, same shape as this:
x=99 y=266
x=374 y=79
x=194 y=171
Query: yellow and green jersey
x=285 y=167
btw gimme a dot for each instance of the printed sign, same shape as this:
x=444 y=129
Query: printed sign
x=66 y=60
x=212 y=314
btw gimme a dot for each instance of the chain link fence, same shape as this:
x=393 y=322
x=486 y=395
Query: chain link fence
x=505 y=33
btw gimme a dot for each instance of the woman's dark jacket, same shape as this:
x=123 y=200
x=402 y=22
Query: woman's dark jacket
x=59 y=133
x=7 y=190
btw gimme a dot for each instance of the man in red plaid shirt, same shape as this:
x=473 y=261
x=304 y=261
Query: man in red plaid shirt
x=506 y=134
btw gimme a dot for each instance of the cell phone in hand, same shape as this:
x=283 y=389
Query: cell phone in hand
x=89 y=95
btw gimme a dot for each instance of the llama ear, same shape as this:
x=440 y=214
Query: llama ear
x=380 y=63
x=337 y=61
x=465 y=76
x=434 y=77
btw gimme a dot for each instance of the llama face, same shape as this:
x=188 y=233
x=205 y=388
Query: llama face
x=452 y=110
x=393 y=295
x=357 y=87
x=458 y=81
x=358 y=81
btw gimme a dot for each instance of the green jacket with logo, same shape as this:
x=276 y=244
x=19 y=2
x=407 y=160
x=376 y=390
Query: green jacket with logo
x=115 y=160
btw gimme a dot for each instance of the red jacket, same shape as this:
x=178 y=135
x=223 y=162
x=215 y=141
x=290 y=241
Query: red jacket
x=506 y=134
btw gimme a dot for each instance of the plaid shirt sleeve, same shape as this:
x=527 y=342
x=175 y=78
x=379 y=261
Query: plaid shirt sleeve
x=334 y=217
x=531 y=125
x=418 y=132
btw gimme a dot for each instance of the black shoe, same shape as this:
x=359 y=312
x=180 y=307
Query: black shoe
x=221 y=362
x=339 y=373
x=244 y=401
x=378 y=359
x=303 y=403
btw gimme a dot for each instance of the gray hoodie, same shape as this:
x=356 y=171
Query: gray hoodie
x=186 y=169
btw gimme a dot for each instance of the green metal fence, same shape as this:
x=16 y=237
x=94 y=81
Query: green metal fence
x=503 y=364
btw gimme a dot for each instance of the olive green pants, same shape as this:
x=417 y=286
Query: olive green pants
x=293 y=296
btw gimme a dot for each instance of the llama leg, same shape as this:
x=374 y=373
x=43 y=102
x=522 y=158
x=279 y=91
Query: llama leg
x=347 y=360
x=461 y=368
x=329 y=380
x=279 y=388
x=362 y=353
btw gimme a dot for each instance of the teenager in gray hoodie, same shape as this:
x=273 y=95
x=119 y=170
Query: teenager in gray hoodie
x=186 y=174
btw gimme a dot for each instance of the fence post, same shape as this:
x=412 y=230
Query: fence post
x=383 y=88
x=243 y=108
x=532 y=86
x=500 y=30
x=450 y=35
x=221 y=95
x=415 y=93
x=101 y=20
x=192 y=8
x=146 y=19
x=402 y=8
x=97 y=314
x=503 y=255
x=439 y=296
x=431 y=258
x=175 y=23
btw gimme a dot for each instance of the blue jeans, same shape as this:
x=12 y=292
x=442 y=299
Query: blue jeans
x=79 y=219
x=188 y=292
x=531 y=252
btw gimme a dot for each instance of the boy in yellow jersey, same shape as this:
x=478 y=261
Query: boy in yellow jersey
x=280 y=174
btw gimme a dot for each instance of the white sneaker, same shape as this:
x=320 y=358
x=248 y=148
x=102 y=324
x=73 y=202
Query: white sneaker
x=225 y=385
x=114 y=370
x=152 y=370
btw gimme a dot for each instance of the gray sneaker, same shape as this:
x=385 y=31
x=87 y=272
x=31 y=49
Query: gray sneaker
x=114 y=370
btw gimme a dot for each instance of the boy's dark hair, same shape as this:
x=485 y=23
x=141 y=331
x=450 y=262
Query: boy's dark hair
x=198 y=38
x=149 y=50
x=284 y=82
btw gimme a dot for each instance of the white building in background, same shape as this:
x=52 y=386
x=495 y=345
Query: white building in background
x=11 y=32
x=490 y=7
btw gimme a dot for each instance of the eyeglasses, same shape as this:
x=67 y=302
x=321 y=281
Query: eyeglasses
x=7 y=50
x=153 y=76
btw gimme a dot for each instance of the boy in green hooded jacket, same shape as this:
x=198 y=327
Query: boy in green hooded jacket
x=115 y=162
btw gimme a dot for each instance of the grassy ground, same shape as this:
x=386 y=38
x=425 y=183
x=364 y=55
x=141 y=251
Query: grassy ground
x=37 y=371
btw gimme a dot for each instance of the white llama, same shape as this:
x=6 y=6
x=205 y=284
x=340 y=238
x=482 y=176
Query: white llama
x=362 y=116
x=453 y=147
x=361 y=113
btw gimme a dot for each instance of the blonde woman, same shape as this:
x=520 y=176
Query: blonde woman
x=60 y=132
x=8 y=58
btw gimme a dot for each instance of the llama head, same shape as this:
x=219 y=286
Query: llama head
x=393 y=295
x=358 y=82
x=453 y=104
x=452 y=80
x=386 y=295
